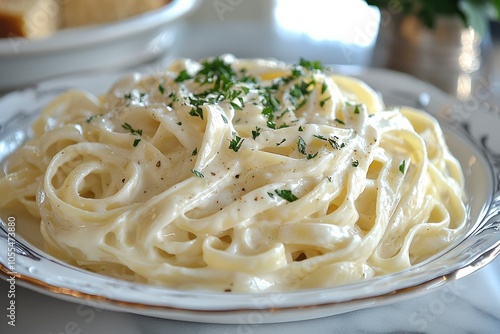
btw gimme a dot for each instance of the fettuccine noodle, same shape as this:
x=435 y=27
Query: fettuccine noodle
x=238 y=175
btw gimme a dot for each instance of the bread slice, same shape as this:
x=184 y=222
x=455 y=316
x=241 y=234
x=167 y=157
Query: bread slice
x=85 y=12
x=28 y=18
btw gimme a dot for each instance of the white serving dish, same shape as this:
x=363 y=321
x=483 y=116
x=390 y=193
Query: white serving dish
x=473 y=139
x=119 y=44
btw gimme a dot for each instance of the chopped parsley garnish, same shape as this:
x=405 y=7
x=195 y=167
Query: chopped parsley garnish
x=320 y=137
x=142 y=95
x=235 y=106
x=196 y=111
x=311 y=156
x=195 y=151
x=301 y=128
x=91 y=118
x=286 y=195
x=179 y=123
x=196 y=173
x=339 y=121
x=324 y=86
x=161 y=88
x=300 y=92
x=271 y=125
x=219 y=73
x=301 y=104
x=355 y=163
x=270 y=194
x=284 y=125
x=271 y=106
x=256 y=132
x=311 y=64
x=322 y=102
x=235 y=143
x=295 y=92
x=183 y=76
x=301 y=145
x=133 y=131
x=287 y=110
x=334 y=143
x=402 y=166
x=224 y=119
x=281 y=142
x=173 y=96
x=356 y=109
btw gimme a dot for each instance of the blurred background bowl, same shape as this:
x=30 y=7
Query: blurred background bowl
x=110 y=46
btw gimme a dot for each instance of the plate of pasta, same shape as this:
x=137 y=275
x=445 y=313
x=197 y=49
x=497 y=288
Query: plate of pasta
x=226 y=189
x=43 y=39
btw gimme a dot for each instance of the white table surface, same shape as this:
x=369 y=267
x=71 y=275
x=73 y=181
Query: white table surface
x=253 y=29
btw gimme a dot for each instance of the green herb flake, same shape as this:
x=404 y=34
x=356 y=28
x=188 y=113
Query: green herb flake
x=183 y=76
x=136 y=142
x=270 y=194
x=161 y=88
x=311 y=64
x=271 y=125
x=197 y=173
x=256 y=132
x=91 y=118
x=301 y=104
x=133 y=131
x=356 y=109
x=174 y=97
x=236 y=106
x=334 y=144
x=301 y=145
x=311 y=156
x=196 y=112
x=217 y=72
x=355 y=163
x=235 y=143
x=320 y=137
x=324 y=86
x=339 y=121
x=284 y=125
x=301 y=128
x=322 y=102
x=286 y=195
x=281 y=142
x=179 y=123
x=402 y=167
x=195 y=151
x=224 y=119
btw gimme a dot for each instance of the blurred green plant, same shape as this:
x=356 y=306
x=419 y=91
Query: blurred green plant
x=474 y=13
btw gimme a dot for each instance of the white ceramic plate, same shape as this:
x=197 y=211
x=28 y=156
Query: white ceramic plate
x=470 y=134
x=107 y=46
